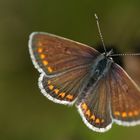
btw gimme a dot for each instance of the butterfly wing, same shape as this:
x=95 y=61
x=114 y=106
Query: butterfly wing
x=52 y=54
x=66 y=87
x=64 y=65
x=125 y=97
x=95 y=106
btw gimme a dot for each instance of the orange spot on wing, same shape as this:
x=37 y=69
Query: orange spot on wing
x=56 y=91
x=40 y=50
x=97 y=120
x=45 y=62
x=62 y=94
x=136 y=112
x=69 y=97
x=50 y=69
x=130 y=114
x=84 y=106
x=88 y=113
x=92 y=117
x=124 y=114
x=117 y=113
x=42 y=56
x=102 y=121
x=51 y=87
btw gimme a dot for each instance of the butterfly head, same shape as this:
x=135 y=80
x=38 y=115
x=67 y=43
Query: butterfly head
x=108 y=54
x=102 y=65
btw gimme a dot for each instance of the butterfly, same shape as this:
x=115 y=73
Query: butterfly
x=74 y=73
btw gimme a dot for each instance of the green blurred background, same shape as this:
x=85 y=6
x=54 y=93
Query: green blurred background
x=25 y=114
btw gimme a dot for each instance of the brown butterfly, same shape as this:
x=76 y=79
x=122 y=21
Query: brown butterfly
x=72 y=72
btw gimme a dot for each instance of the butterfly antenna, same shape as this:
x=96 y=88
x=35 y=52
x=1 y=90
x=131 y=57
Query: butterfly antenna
x=127 y=54
x=100 y=33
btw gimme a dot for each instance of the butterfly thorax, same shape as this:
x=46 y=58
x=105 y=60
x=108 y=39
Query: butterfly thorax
x=101 y=66
x=99 y=69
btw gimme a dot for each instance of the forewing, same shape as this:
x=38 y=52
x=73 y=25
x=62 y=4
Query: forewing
x=125 y=97
x=52 y=54
x=95 y=107
x=66 y=87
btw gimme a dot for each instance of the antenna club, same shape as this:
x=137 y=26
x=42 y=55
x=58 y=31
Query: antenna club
x=96 y=17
